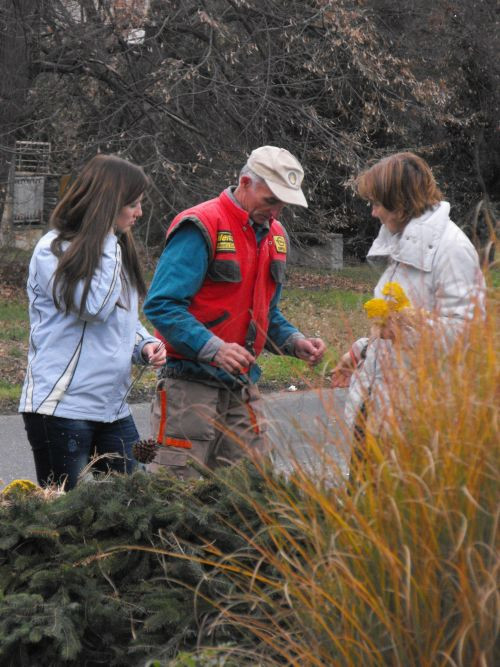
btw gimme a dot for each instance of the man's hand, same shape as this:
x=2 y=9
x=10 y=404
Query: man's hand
x=341 y=376
x=310 y=349
x=233 y=358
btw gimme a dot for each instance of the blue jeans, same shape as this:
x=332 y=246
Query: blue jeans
x=63 y=447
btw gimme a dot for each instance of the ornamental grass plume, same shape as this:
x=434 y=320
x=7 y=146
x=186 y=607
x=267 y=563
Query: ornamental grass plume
x=401 y=565
x=252 y=568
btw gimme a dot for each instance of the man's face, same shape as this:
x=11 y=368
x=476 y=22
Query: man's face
x=259 y=201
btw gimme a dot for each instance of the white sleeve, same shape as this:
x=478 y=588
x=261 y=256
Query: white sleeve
x=459 y=288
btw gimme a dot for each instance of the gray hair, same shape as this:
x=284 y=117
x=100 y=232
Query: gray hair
x=246 y=171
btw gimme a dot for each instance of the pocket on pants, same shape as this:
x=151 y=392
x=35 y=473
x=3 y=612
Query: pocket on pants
x=255 y=408
x=183 y=412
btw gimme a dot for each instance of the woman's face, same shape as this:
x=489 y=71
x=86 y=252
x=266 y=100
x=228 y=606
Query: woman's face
x=128 y=215
x=391 y=219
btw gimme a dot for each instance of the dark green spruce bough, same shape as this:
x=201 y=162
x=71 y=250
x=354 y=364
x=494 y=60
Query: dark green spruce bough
x=59 y=605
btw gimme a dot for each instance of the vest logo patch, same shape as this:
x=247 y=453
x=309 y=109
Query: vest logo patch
x=225 y=242
x=280 y=244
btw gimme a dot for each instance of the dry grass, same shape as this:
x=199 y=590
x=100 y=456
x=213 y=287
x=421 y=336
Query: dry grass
x=399 y=566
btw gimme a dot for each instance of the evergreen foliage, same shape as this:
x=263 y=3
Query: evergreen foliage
x=243 y=568
x=64 y=601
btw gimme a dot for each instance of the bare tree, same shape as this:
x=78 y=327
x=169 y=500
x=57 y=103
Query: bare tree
x=205 y=82
x=18 y=30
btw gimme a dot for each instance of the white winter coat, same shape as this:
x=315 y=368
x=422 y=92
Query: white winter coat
x=438 y=267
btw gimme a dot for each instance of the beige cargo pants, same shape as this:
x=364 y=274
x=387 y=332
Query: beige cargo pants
x=212 y=425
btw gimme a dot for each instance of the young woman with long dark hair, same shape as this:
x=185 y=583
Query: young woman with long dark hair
x=84 y=284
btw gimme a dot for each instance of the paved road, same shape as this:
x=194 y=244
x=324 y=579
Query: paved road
x=306 y=429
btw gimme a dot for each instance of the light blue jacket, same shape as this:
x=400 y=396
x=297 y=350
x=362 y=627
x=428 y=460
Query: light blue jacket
x=79 y=367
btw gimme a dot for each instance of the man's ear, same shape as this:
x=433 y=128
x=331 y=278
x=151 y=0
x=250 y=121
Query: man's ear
x=245 y=181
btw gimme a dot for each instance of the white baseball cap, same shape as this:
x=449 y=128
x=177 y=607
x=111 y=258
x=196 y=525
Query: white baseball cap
x=281 y=171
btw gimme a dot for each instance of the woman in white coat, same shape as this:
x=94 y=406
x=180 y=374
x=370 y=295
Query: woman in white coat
x=427 y=255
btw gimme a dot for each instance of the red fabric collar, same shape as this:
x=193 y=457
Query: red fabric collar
x=233 y=209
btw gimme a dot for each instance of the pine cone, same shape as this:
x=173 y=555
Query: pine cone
x=145 y=450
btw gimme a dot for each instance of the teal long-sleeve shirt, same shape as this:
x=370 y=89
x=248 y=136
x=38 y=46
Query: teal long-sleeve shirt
x=178 y=277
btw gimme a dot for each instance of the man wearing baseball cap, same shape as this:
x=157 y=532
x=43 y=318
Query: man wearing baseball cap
x=214 y=300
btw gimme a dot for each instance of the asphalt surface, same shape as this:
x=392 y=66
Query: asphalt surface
x=305 y=427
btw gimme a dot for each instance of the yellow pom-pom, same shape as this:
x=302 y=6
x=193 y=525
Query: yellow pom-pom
x=397 y=296
x=377 y=309
x=22 y=486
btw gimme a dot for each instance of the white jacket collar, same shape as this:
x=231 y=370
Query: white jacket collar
x=416 y=245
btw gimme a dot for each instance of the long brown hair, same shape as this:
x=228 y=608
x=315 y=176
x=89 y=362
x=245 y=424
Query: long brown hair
x=85 y=216
x=402 y=183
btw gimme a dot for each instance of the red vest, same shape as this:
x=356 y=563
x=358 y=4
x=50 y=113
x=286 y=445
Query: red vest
x=240 y=282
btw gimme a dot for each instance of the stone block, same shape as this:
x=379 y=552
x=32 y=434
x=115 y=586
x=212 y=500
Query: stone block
x=325 y=255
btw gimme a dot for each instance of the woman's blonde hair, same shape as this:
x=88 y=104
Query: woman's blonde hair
x=403 y=183
x=85 y=215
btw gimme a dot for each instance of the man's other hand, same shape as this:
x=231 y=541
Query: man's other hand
x=310 y=349
x=233 y=358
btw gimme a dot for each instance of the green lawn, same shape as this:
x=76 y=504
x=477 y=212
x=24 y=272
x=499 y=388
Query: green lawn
x=14 y=318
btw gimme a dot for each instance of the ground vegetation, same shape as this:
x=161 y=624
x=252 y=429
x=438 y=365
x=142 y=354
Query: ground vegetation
x=245 y=567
